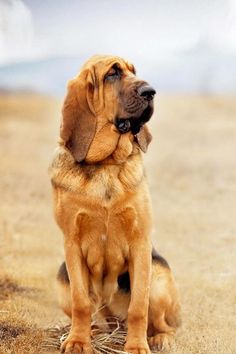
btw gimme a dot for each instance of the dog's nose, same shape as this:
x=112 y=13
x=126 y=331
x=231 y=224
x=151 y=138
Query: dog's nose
x=147 y=92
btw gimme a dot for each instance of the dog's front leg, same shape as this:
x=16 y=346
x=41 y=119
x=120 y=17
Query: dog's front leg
x=79 y=339
x=140 y=277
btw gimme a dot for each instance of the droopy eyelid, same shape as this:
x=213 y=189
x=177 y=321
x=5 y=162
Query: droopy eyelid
x=117 y=72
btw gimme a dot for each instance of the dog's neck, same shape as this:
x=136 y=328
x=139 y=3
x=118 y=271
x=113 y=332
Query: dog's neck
x=111 y=160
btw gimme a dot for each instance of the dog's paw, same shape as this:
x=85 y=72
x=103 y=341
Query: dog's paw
x=137 y=348
x=72 y=345
x=161 y=341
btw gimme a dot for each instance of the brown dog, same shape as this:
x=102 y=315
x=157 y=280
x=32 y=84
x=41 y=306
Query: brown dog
x=102 y=205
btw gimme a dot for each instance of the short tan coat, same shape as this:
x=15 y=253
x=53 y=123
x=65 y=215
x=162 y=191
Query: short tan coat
x=102 y=205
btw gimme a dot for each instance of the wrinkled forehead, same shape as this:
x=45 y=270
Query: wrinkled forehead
x=102 y=63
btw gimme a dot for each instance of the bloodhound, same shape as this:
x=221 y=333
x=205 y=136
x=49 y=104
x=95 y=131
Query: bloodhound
x=102 y=205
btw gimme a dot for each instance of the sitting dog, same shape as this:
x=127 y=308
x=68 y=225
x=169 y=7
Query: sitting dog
x=102 y=205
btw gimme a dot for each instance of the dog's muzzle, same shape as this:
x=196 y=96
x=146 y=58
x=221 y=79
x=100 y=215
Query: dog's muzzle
x=134 y=124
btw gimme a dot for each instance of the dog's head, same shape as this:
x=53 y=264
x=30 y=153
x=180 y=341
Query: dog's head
x=106 y=91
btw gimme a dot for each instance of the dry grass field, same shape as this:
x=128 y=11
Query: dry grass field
x=191 y=166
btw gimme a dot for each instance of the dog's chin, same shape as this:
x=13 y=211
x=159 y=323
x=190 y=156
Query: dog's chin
x=134 y=122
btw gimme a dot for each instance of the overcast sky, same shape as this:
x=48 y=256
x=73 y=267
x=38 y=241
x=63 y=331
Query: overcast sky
x=33 y=29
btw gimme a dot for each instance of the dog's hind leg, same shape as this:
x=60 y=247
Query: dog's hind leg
x=164 y=307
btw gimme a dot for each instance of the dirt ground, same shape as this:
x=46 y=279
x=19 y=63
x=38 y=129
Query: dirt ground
x=191 y=166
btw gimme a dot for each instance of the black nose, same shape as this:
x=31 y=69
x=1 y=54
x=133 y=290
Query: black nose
x=147 y=92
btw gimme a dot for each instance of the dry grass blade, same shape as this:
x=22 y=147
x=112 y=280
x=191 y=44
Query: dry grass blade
x=111 y=341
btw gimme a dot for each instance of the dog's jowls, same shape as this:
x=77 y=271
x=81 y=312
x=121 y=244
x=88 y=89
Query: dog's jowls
x=102 y=205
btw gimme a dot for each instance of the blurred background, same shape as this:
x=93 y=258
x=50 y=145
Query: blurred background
x=186 y=46
x=187 y=51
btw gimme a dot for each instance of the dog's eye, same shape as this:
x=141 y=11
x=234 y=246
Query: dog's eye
x=113 y=73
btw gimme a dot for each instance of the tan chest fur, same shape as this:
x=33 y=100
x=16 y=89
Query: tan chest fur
x=106 y=199
x=103 y=184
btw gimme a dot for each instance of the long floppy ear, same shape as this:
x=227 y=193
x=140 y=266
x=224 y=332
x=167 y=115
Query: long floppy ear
x=78 y=123
x=144 y=138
